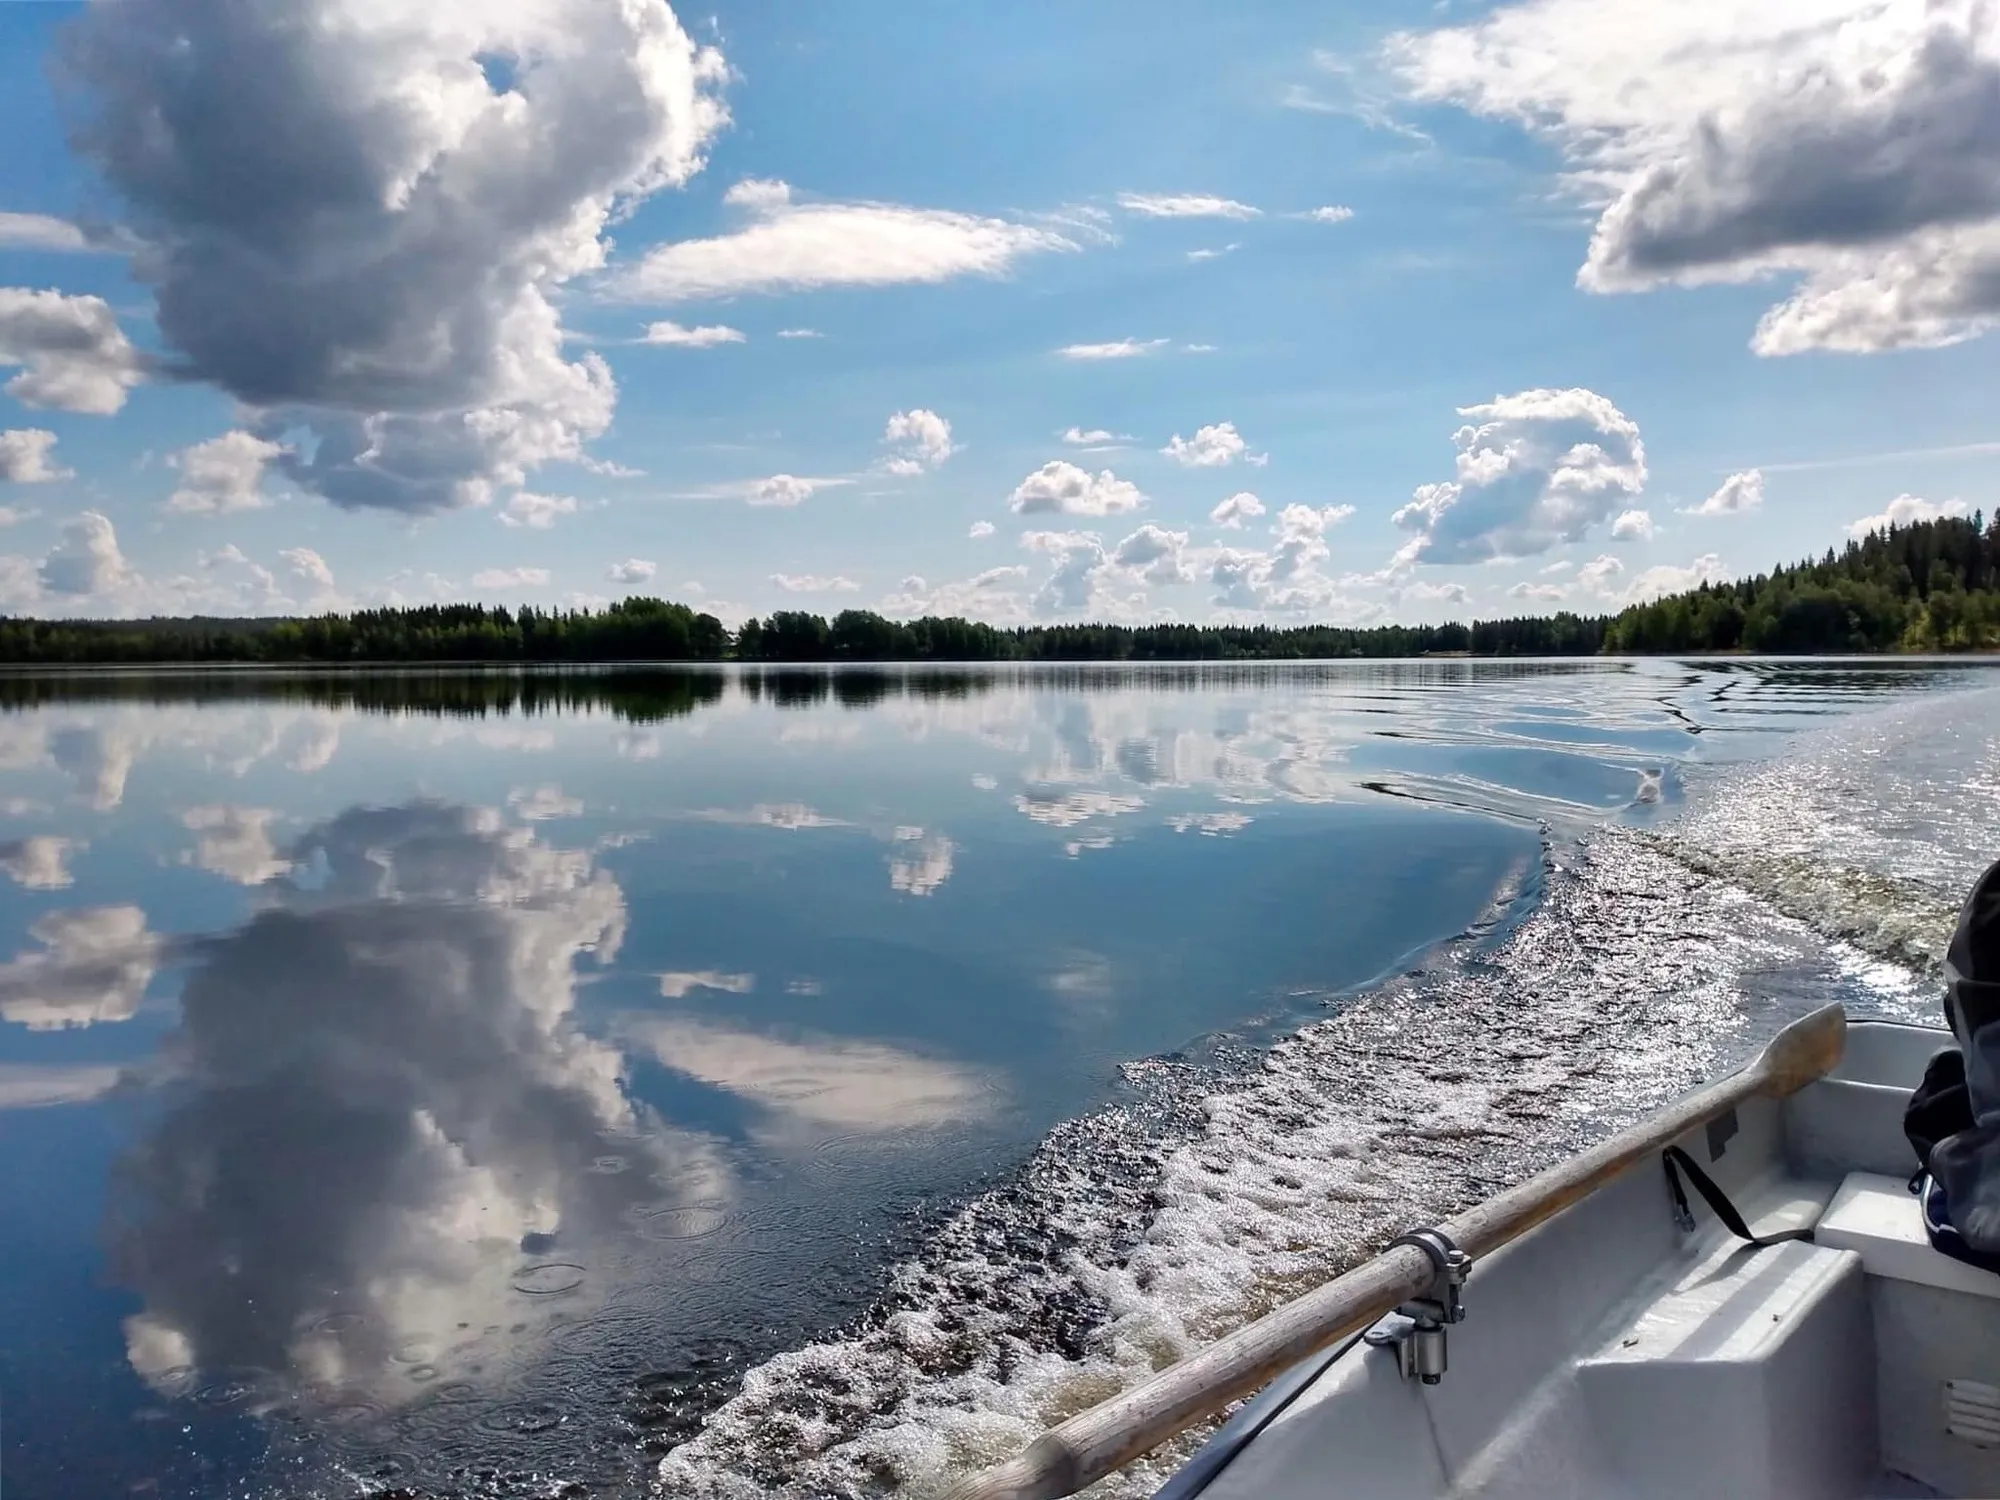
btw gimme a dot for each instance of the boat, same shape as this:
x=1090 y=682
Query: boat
x=1605 y=1330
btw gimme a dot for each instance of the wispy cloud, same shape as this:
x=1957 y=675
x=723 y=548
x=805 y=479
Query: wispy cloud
x=1118 y=349
x=708 y=336
x=1185 y=206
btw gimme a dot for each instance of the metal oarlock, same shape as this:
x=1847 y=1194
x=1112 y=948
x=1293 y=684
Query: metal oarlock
x=1416 y=1330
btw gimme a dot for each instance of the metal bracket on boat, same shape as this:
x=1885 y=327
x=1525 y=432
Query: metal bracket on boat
x=1416 y=1331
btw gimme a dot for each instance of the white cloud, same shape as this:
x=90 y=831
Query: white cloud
x=813 y=583
x=1063 y=488
x=223 y=475
x=40 y=232
x=1185 y=206
x=1093 y=437
x=40 y=863
x=786 y=489
x=1199 y=348
x=1534 y=470
x=1737 y=494
x=988 y=595
x=400 y=219
x=1669 y=579
x=919 y=440
x=1211 y=447
x=310 y=566
x=800 y=333
x=1904 y=510
x=1848 y=142
x=94 y=964
x=673 y=335
x=511 y=578
x=72 y=353
x=632 y=570
x=1237 y=509
x=1215 y=252
x=790 y=246
x=1080 y=565
x=1332 y=213
x=1546 y=593
x=538 y=804
x=1597 y=574
x=1632 y=526
x=26 y=457
x=86 y=560
x=1118 y=349
x=537 y=512
x=1156 y=554
x=980 y=531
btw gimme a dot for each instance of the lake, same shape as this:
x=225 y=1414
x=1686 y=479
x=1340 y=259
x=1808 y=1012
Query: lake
x=460 y=1084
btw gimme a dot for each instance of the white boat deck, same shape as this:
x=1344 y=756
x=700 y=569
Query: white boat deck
x=1607 y=1354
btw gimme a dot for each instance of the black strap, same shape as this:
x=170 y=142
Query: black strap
x=1716 y=1200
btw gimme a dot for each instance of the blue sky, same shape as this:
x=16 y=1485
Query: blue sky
x=1480 y=304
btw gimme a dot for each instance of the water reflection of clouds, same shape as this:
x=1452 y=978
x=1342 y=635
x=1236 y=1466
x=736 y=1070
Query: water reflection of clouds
x=920 y=862
x=385 y=1116
x=94 y=964
x=40 y=863
x=806 y=1086
x=235 y=843
x=98 y=747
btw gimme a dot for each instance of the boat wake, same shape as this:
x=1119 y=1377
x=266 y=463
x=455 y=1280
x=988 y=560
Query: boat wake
x=1606 y=982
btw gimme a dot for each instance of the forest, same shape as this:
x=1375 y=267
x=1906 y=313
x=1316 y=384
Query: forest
x=1929 y=586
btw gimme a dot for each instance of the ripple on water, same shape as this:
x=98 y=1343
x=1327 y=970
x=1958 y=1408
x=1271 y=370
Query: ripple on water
x=548 y=1278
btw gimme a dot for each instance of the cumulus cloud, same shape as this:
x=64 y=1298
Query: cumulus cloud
x=537 y=512
x=1185 y=206
x=40 y=232
x=1064 y=489
x=1238 y=509
x=980 y=530
x=1547 y=593
x=1904 y=510
x=235 y=843
x=72 y=354
x=1117 y=349
x=673 y=335
x=511 y=578
x=791 y=246
x=1738 y=493
x=370 y=244
x=1156 y=554
x=1847 y=142
x=991 y=594
x=918 y=440
x=1599 y=573
x=27 y=456
x=1535 y=470
x=814 y=583
x=800 y=333
x=1331 y=213
x=786 y=490
x=1632 y=526
x=1080 y=564
x=223 y=475
x=632 y=570
x=1211 y=447
x=310 y=566
x=1671 y=579
x=86 y=560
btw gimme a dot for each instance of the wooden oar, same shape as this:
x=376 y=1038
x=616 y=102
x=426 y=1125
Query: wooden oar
x=1081 y=1451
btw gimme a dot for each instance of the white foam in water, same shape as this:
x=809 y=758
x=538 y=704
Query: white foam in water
x=1633 y=979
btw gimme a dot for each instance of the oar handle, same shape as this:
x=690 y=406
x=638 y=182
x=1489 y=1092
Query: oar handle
x=1078 y=1452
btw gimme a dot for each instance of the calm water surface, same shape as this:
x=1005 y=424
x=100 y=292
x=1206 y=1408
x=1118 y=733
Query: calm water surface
x=467 y=1085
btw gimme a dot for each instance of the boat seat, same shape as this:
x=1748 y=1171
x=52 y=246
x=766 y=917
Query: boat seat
x=1937 y=1338
x=1880 y=1220
x=1744 y=1375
